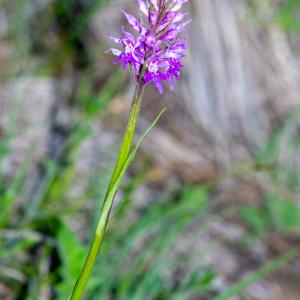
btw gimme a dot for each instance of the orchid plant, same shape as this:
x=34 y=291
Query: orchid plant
x=154 y=54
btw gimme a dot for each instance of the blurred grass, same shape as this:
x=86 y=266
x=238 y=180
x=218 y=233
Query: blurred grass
x=139 y=258
x=288 y=15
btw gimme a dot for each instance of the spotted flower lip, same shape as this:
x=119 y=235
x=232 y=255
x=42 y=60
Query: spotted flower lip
x=155 y=51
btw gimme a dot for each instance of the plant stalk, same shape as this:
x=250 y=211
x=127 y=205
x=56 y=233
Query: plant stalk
x=108 y=200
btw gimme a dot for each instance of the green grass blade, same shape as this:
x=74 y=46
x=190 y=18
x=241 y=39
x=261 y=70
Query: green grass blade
x=124 y=159
x=259 y=274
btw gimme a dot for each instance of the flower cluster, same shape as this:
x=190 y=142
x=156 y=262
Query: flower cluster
x=155 y=52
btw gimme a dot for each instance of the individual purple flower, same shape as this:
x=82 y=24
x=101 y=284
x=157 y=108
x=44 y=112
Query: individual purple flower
x=155 y=52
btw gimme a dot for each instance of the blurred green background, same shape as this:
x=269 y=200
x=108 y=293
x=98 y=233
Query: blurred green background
x=210 y=209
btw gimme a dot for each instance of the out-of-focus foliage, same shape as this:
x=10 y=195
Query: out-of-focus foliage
x=286 y=12
x=288 y=15
x=136 y=259
x=143 y=257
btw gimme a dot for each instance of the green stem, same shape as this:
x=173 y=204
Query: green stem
x=108 y=200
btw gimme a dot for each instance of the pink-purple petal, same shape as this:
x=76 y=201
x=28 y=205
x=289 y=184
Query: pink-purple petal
x=156 y=45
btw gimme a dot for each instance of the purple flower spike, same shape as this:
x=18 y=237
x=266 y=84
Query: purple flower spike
x=155 y=52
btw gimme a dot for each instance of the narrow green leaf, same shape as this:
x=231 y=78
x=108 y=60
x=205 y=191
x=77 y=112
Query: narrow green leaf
x=112 y=191
x=125 y=158
x=128 y=135
x=133 y=152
